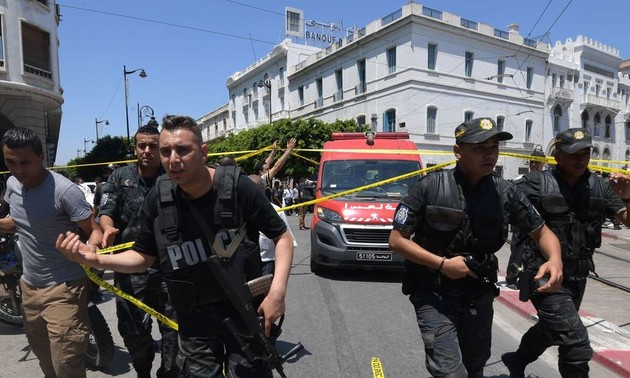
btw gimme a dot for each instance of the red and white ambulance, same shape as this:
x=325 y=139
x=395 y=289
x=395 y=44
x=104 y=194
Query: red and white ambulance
x=352 y=231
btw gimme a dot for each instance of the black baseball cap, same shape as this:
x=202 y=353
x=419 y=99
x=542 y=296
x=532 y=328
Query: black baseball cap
x=479 y=130
x=573 y=140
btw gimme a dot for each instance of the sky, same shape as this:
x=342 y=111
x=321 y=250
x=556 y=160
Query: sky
x=189 y=48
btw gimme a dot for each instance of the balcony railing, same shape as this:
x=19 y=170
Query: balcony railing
x=593 y=100
x=37 y=71
x=561 y=94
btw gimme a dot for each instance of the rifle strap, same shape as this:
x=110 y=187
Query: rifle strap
x=215 y=244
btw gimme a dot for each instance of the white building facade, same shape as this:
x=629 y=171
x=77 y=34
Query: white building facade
x=30 y=90
x=424 y=71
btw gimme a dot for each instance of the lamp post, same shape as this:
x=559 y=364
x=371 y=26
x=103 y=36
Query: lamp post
x=96 y=122
x=85 y=142
x=267 y=83
x=142 y=74
x=146 y=111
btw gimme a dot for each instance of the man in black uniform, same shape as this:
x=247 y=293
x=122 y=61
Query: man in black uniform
x=120 y=221
x=206 y=345
x=459 y=219
x=573 y=201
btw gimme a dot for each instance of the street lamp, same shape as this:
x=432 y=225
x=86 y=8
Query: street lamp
x=142 y=74
x=146 y=111
x=267 y=83
x=85 y=142
x=96 y=122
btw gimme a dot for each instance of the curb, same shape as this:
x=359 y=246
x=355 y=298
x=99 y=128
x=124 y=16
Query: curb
x=611 y=344
x=615 y=236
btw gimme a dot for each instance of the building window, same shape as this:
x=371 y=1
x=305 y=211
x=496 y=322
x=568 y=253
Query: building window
x=557 y=114
x=470 y=58
x=500 y=123
x=500 y=70
x=281 y=77
x=561 y=81
x=468 y=116
x=320 y=92
x=528 y=130
x=585 y=117
x=389 y=121
x=391 y=60
x=301 y=95
x=432 y=56
x=338 y=96
x=530 y=77
x=607 y=127
x=554 y=78
x=597 y=122
x=627 y=132
x=361 y=120
x=1 y=45
x=36 y=51
x=361 y=87
x=431 y=119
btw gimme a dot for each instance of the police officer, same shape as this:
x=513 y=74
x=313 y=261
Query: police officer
x=120 y=220
x=516 y=244
x=206 y=345
x=459 y=219
x=573 y=202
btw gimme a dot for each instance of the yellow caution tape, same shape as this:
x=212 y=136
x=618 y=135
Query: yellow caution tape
x=377 y=368
x=97 y=280
x=369 y=186
x=115 y=248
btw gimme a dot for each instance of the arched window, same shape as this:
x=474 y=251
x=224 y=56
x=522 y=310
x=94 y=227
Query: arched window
x=595 y=153
x=557 y=114
x=597 y=123
x=389 y=120
x=585 y=118
x=500 y=123
x=431 y=119
x=606 y=156
x=607 y=127
x=528 y=130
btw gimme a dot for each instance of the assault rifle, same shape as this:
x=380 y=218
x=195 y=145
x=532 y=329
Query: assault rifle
x=255 y=345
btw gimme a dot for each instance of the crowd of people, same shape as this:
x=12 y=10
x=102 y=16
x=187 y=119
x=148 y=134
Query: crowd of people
x=179 y=213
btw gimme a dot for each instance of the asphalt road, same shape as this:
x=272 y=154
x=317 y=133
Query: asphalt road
x=349 y=323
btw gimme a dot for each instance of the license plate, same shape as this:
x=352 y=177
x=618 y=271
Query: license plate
x=374 y=256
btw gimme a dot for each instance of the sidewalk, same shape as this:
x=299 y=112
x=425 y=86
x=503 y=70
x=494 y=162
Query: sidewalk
x=610 y=343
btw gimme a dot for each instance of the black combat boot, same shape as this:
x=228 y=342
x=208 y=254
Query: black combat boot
x=515 y=364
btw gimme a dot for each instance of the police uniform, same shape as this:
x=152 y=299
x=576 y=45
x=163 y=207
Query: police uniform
x=574 y=214
x=123 y=196
x=205 y=342
x=448 y=216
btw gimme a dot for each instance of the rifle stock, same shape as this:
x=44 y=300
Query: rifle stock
x=256 y=345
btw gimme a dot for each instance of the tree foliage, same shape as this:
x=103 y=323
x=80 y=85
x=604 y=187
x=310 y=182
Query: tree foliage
x=310 y=134
x=107 y=149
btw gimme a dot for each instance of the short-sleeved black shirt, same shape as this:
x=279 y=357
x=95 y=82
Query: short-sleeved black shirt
x=492 y=199
x=256 y=210
x=515 y=205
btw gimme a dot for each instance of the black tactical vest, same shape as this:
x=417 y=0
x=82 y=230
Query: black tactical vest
x=448 y=231
x=579 y=227
x=184 y=262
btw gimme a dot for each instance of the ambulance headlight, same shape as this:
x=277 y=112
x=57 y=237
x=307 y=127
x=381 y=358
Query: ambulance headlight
x=328 y=215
